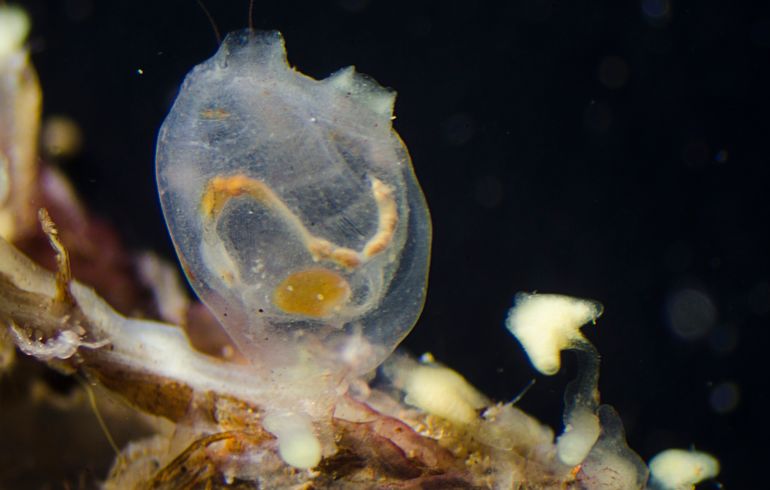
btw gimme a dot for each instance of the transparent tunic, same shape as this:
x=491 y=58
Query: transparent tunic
x=294 y=208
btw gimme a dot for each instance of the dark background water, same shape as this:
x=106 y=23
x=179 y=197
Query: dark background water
x=610 y=150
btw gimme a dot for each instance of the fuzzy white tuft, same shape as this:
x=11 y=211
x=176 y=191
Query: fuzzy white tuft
x=680 y=469
x=546 y=324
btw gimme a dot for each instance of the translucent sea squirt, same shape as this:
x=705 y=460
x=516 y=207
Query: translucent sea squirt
x=294 y=207
x=297 y=217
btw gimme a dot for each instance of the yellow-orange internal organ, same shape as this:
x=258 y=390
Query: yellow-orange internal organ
x=221 y=189
x=316 y=293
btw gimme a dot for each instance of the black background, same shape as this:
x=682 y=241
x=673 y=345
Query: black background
x=544 y=166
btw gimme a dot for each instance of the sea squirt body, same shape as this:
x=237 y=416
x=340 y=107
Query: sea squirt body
x=293 y=207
